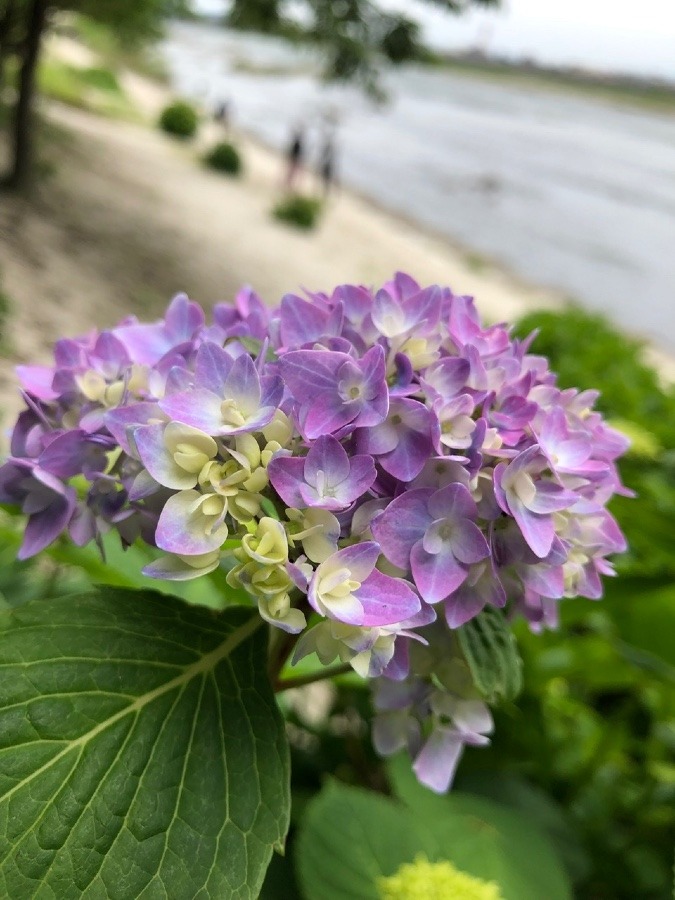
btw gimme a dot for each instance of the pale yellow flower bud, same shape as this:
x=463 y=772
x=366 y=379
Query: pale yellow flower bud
x=279 y=429
x=269 y=544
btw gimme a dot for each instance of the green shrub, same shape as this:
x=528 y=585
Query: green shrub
x=298 y=210
x=179 y=119
x=224 y=157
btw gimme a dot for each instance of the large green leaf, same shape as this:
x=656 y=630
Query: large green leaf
x=490 y=840
x=645 y=616
x=492 y=655
x=351 y=837
x=141 y=751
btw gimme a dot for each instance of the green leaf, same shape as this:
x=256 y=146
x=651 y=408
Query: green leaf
x=540 y=810
x=351 y=837
x=492 y=655
x=645 y=617
x=123 y=568
x=142 y=754
x=494 y=841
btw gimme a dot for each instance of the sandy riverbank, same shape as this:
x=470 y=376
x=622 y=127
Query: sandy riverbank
x=129 y=217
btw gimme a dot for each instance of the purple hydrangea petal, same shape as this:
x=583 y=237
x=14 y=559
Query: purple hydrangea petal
x=328 y=417
x=303 y=322
x=537 y=529
x=67 y=454
x=212 y=368
x=436 y=575
x=551 y=497
x=362 y=474
x=360 y=559
x=402 y=524
x=448 y=377
x=37 y=381
x=437 y=761
x=468 y=543
x=147 y=344
x=482 y=587
x=199 y=408
x=413 y=423
x=452 y=502
x=122 y=421
x=386 y=600
x=287 y=474
x=328 y=459
x=306 y=372
x=44 y=527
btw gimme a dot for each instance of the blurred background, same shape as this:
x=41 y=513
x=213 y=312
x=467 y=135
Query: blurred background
x=522 y=152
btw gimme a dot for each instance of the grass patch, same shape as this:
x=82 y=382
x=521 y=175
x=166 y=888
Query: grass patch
x=5 y=315
x=101 y=79
x=298 y=210
x=476 y=262
x=95 y=89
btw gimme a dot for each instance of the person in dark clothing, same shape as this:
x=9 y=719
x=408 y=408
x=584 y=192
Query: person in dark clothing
x=221 y=114
x=327 y=172
x=294 y=158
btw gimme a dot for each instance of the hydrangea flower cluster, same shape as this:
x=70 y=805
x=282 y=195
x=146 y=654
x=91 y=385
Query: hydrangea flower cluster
x=373 y=467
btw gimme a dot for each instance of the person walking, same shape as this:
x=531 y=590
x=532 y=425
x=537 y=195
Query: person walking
x=294 y=158
x=327 y=172
x=221 y=115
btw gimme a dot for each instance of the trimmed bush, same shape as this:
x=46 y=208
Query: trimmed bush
x=298 y=210
x=179 y=119
x=224 y=157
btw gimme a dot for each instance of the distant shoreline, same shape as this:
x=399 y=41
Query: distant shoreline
x=625 y=89
x=655 y=94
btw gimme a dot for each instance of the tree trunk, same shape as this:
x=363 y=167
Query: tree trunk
x=6 y=23
x=22 y=149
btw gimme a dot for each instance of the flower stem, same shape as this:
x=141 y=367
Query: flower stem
x=280 y=649
x=285 y=684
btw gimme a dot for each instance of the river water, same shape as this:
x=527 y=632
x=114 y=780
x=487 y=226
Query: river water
x=565 y=191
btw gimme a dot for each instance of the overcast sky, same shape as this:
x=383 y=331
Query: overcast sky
x=626 y=35
x=635 y=36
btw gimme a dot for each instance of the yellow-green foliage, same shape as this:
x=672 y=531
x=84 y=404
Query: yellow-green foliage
x=423 y=880
x=93 y=88
x=98 y=37
x=112 y=50
x=5 y=312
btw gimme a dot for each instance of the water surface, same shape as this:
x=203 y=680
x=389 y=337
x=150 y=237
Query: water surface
x=565 y=191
